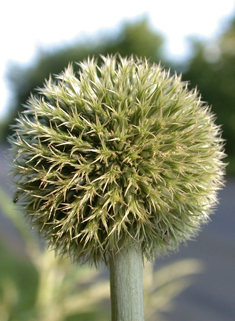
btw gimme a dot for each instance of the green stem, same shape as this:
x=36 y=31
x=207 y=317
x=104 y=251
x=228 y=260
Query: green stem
x=126 y=283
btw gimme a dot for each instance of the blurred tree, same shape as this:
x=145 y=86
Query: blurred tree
x=135 y=38
x=212 y=70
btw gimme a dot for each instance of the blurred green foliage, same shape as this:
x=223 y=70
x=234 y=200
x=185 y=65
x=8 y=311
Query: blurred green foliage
x=211 y=68
x=37 y=286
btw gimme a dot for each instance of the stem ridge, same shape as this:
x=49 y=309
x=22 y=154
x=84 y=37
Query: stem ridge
x=126 y=284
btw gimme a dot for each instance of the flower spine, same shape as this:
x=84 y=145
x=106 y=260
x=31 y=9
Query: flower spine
x=118 y=154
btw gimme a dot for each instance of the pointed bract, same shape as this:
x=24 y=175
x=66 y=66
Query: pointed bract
x=117 y=154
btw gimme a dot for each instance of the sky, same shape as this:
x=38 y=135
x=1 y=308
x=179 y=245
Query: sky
x=27 y=25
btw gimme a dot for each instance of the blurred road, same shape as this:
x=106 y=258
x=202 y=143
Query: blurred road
x=212 y=295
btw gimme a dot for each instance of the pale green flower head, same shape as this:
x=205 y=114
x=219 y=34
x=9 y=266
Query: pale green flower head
x=114 y=155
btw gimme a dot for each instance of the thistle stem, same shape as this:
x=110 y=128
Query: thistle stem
x=126 y=284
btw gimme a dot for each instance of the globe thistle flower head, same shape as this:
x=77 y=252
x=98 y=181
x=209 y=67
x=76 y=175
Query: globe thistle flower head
x=118 y=154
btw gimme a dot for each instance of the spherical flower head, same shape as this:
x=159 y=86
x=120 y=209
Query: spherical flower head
x=114 y=155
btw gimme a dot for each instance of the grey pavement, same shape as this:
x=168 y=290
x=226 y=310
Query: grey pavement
x=212 y=296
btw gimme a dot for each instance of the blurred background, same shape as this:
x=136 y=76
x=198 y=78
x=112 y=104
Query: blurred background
x=196 y=39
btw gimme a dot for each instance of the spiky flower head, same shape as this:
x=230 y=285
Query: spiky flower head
x=118 y=154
